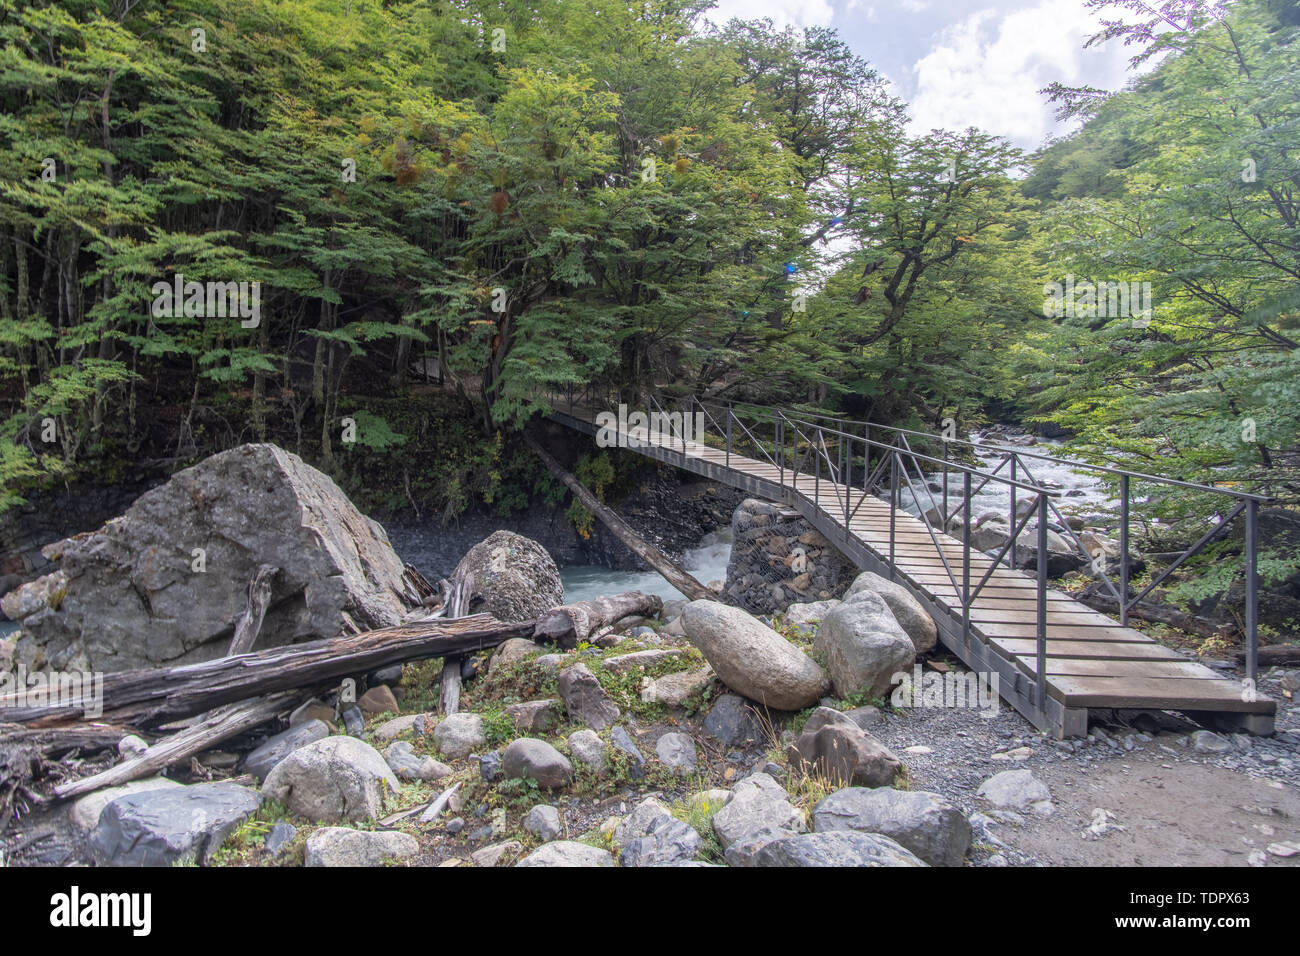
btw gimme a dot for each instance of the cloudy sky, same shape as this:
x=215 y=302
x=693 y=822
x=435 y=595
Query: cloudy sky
x=962 y=63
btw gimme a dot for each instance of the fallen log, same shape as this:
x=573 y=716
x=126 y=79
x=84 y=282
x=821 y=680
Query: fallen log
x=1105 y=602
x=570 y=623
x=250 y=622
x=52 y=741
x=458 y=594
x=671 y=571
x=222 y=724
x=1276 y=655
x=148 y=697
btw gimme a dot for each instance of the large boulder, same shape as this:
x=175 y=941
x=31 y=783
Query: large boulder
x=925 y=823
x=164 y=583
x=751 y=658
x=907 y=610
x=338 y=778
x=172 y=825
x=864 y=646
x=515 y=578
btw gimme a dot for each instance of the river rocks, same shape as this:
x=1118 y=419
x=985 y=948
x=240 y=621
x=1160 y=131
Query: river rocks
x=837 y=848
x=1017 y=790
x=1208 y=742
x=536 y=760
x=278 y=839
x=778 y=558
x=843 y=753
x=535 y=716
x=666 y=840
x=496 y=853
x=410 y=766
x=585 y=699
x=458 y=735
x=310 y=710
x=44 y=594
x=378 y=700
x=806 y=617
x=677 y=752
x=753 y=659
x=164 y=583
x=511 y=651
x=623 y=741
x=341 y=846
x=515 y=578
x=567 y=853
x=338 y=778
x=674 y=690
x=171 y=825
x=907 y=610
x=756 y=802
x=637 y=823
x=924 y=823
x=588 y=749
x=543 y=822
x=417 y=724
x=864 y=646
x=85 y=812
x=735 y=722
x=262 y=760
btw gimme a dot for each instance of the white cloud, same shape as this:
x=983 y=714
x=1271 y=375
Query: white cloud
x=986 y=71
x=799 y=13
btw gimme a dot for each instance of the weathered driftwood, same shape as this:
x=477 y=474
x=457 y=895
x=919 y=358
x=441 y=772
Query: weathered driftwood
x=146 y=698
x=53 y=741
x=458 y=594
x=1101 y=600
x=672 y=572
x=250 y=622
x=222 y=724
x=570 y=623
x=420 y=591
x=438 y=805
x=1276 y=655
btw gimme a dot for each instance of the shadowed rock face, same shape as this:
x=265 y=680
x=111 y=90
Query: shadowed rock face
x=164 y=583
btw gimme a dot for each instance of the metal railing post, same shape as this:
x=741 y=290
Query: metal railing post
x=1042 y=602
x=866 y=464
x=1123 y=550
x=893 y=506
x=943 y=518
x=1014 y=516
x=728 y=458
x=965 y=564
x=1252 y=590
x=817 y=468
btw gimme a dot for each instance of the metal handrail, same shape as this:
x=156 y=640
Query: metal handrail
x=809 y=427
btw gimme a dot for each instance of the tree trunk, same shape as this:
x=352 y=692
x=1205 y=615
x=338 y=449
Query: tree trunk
x=150 y=696
x=671 y=571
x=250 y=623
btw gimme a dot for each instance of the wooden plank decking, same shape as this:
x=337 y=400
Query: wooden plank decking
x=1092 y=661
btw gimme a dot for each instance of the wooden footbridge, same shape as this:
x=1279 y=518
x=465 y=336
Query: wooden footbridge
x=1056 y=659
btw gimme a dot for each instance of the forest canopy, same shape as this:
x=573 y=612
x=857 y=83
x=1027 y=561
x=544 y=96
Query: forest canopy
x=519 y=198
